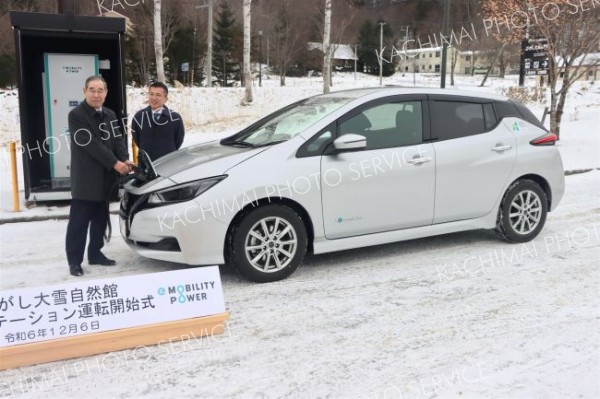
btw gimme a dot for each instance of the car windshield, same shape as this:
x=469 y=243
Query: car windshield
x=288 y=122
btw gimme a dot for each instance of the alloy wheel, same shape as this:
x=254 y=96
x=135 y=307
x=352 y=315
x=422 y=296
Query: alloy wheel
x=525 y=212
x=271 y=244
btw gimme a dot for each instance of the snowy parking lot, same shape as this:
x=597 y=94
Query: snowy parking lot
x=458 y=315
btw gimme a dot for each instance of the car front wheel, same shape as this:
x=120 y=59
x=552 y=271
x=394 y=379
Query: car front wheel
x=268 y=244
x=522 y=213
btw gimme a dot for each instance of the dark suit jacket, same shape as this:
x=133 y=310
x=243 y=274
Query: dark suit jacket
x=97 y=143
x=157 y=137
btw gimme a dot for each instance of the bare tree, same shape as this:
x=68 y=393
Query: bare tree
x=247 y=74
x=286 y=39
x=158 y=42
x=569 y=48
x=345 y=14
x=454 y=54
x=489 y=70
x=171 y=22
x=507 y=58
x=327 y=48
x=571 y=31
x=140 y=42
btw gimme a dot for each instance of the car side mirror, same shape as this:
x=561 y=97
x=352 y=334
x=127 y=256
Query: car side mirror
x=350 y=142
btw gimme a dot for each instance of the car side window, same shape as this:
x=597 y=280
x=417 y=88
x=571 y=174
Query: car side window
x=454 y=119
x=387 y=125
x=317 y=143
x=490 y=116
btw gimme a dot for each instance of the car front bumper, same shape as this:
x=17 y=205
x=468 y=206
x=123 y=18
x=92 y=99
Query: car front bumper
x=184 y=232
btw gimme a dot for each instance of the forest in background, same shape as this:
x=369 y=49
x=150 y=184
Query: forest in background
x=281 y=30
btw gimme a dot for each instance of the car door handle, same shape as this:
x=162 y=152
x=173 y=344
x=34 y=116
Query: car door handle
x=500 y=148
x=418 y=161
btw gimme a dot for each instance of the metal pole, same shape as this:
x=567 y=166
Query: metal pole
x=445 y=42
x=210 y=44
x=134 y=152
x=381 y=53
x=355 y=59
x=209 y=40
x=260 y=33
x=13 y=172
x=524 y=45
x=522 y=62
x=415 y=70
x=193 y=52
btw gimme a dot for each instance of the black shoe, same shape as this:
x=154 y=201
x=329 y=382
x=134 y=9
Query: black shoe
x=76 y=270
x=102 y=260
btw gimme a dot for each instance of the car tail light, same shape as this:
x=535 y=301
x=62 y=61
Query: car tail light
x=546 y=139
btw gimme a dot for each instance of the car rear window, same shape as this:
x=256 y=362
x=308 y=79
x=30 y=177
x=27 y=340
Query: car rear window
x=528 y=115
x=506 y=109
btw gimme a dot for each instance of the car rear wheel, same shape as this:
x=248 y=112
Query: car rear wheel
x=268 y=244
x=522 y=213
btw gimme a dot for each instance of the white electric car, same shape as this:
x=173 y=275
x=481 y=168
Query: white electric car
x=345 y=170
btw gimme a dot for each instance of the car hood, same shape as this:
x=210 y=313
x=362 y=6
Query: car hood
x=202 y=160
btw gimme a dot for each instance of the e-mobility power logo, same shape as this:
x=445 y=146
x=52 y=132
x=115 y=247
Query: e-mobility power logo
x=182 y=293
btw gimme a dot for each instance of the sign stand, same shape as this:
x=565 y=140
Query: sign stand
x=88 y=317
x=103 y=342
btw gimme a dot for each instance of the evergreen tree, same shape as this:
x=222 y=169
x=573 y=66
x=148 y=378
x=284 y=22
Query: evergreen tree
x=181 y=51
x=226 y=66
x=8 y=71
x=368 y=41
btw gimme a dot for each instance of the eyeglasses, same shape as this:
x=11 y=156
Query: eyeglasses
x=96 y=91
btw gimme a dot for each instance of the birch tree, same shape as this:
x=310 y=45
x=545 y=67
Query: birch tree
x=247 y=35
x=327 y=48
x=158 y=46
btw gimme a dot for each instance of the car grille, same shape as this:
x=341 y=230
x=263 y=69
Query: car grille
x=131 y=204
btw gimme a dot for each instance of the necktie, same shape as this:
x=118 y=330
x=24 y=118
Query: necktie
x=98 y=114
x=156 y=115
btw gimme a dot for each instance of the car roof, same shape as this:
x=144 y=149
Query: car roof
x=376 y=92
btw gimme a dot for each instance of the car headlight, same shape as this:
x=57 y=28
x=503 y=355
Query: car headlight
x=183 y=192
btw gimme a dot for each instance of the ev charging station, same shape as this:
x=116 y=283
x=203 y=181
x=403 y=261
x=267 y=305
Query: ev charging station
x=56 y=53
x=63 y=78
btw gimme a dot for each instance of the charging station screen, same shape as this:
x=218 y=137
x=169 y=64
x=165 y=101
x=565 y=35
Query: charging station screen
x=64 y=79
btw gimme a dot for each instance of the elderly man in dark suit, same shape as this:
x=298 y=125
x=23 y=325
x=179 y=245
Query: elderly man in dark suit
x=98 y=153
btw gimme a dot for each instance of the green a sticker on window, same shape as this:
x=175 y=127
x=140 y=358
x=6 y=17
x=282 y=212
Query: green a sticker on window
x=516 y=127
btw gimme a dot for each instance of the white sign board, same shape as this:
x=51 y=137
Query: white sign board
x=43 y=313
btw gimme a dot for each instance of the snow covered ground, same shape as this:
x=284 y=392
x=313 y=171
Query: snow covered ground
x=459 y=315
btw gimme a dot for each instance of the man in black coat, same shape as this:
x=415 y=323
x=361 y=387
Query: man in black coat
x=98 y=155
x=156 y=129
